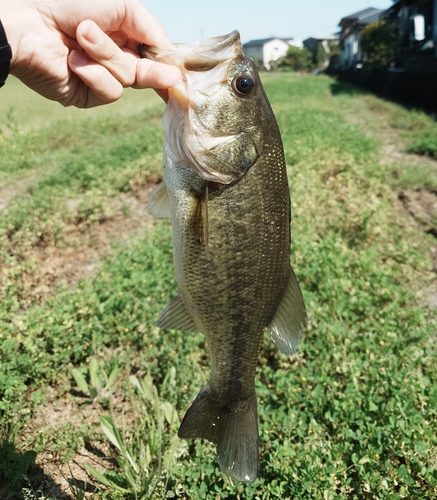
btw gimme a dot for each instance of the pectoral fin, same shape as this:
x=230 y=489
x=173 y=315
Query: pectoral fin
x=199 y=215
x=176 y=317
x=159 y=204
x=286 y=328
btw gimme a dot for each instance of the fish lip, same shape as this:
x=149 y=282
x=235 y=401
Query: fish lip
x=216 y=43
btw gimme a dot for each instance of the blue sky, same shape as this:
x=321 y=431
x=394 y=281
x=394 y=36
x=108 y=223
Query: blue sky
x=190 y=20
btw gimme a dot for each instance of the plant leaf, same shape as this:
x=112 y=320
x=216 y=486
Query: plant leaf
x=112 y=433
x=94 y=375
x=112 y=377
x=104 y=480
x=80 y=381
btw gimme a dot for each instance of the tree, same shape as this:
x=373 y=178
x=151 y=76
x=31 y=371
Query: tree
x=380 y=42
x=297 y=59
x=321 y=56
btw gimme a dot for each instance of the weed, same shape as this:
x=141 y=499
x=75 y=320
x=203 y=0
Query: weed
x=13 y=469
x=99 y=383
x=144 y=462
x=426 y=146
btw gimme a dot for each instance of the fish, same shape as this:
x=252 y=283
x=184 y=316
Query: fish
x=226 y=191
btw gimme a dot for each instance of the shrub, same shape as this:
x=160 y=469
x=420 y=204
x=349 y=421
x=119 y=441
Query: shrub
x=380 y=42
x=297 y=59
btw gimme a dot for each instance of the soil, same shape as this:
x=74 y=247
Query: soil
x=71 y=264
x=51 y=474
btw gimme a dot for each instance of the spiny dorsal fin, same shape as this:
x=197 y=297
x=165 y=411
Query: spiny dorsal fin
x=159 y=204
x=286 y=328
x=176 y=317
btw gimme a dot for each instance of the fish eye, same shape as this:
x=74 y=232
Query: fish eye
x=243 y=84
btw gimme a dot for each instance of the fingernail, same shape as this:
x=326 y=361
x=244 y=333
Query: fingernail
x=92 y=33
x=78 y=58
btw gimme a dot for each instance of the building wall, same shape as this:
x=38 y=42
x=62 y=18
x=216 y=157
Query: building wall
x=351 y=52
x=273 y=50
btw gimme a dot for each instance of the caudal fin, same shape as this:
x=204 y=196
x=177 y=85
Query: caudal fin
x=234 y=428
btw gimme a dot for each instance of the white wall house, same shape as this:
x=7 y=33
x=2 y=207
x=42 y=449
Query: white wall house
x=267 y=50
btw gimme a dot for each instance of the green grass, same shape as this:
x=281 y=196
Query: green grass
x=22 y=110
x=351 y=415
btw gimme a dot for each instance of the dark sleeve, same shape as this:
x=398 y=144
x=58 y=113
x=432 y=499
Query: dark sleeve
x=5 y=56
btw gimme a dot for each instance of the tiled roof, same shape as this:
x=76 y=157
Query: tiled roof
x=263 y=41
x=364 y=16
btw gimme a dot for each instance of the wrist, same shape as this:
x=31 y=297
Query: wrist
x=13 y=16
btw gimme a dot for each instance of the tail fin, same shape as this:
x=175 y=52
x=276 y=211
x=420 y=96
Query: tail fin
x=234 y=428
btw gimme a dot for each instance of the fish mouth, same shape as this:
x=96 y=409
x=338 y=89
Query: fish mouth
x=202 y=55
x=213 y=44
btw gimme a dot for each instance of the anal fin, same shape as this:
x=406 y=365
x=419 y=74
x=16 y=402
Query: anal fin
x=159 y=204
x=176 y=317
x=233 y=427
x=286 y=327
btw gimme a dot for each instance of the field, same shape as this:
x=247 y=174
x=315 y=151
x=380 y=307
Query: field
x=91 y=391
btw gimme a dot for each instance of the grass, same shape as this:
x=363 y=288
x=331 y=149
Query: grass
x=23 y=110
x=351 y=415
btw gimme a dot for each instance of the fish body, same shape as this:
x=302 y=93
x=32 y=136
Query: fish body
x=226 y=190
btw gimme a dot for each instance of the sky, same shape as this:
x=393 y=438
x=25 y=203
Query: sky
x=189 y=20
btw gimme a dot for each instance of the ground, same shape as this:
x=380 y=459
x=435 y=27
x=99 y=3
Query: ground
x=93 y=243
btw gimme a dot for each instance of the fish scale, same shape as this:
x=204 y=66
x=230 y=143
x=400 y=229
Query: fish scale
x=226 y=190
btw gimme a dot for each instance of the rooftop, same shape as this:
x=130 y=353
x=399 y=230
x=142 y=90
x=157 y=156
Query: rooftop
x=263 y=41
x=365 y=16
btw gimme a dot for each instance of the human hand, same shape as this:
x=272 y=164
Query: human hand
x=84 y=52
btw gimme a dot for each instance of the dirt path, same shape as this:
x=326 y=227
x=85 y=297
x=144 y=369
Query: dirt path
x=85 y=245
x=417 y=205
x=16 y=188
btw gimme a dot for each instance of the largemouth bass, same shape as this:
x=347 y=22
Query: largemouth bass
x=225 y=188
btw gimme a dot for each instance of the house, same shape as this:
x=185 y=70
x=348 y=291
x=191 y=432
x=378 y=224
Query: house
x=417 y=26
x=351 y=25
x=410 y=76
x=266 y=50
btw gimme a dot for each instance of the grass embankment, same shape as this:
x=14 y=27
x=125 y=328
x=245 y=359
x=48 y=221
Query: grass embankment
x=351 y=415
